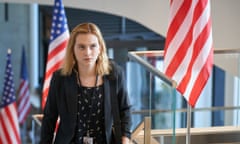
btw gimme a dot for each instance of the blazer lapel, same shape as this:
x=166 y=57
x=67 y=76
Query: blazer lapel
x=107 y=102
x=107 y=109
x=71 y=93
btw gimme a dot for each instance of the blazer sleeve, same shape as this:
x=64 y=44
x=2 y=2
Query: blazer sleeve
x=124 y=103
x=50 y=111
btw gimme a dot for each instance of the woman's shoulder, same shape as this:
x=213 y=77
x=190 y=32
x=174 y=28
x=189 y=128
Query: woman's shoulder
x=114 y=65
x=57 y=72
x=116 y=69
x=56 y=75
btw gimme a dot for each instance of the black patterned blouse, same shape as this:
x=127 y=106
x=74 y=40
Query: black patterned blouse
x=90 y=115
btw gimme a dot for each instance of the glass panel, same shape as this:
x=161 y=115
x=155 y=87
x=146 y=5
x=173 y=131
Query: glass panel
x=152 y=94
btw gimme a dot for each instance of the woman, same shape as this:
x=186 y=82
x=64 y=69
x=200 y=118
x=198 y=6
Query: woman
x=82 y=92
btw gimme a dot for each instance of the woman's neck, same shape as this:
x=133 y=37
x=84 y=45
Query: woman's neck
x=87 y=76
x=86 y=71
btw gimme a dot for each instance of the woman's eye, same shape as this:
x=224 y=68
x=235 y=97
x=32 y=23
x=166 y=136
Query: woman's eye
x=93 y=46
x=81 y=47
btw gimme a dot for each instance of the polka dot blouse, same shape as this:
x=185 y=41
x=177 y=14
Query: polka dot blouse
x=90 y=116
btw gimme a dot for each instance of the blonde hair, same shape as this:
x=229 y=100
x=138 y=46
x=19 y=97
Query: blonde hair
x=102 y=64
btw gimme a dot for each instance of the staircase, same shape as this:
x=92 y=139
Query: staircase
x=210 y=135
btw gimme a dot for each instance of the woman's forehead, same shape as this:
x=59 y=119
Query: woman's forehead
x=86 y=38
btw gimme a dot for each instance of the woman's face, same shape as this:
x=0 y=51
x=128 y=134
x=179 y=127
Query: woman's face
x=86 y=49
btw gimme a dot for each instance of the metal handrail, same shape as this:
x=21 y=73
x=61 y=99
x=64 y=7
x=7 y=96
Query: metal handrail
x=135 y=55
x=150 y=68
x=185 y=109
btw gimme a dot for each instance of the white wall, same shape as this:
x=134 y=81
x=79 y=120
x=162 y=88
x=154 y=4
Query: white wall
x=154 y=15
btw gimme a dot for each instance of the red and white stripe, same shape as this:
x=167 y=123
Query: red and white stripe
x=188 y=55
x=24 y=104
x=9 y=128
x=56 y=54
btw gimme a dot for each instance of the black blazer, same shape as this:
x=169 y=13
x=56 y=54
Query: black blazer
x=62 y=102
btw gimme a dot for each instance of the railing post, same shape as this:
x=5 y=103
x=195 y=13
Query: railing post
x=188 y=135
x=33 y=131
x=147 y=130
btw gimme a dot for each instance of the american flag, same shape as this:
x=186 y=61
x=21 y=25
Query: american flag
x=188 y=56
x=9 y=126
x=58 y=43
x=24 y=104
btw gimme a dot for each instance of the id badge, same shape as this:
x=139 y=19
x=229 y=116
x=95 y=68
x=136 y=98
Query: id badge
x=87 y=140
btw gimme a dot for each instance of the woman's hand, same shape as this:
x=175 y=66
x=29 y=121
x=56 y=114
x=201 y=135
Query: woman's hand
x=125 y=140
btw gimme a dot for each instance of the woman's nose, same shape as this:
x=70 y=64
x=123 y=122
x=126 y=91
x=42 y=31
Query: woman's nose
x=87 y=50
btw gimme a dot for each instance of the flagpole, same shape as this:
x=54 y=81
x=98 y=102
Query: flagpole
x=188 y=135
x=174 y=115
